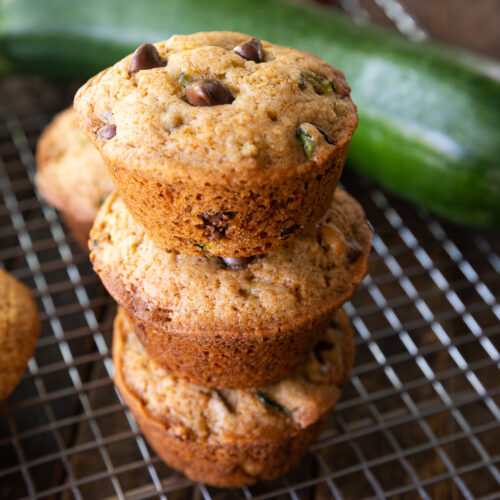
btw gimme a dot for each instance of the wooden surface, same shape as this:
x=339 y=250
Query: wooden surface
x=471 y=24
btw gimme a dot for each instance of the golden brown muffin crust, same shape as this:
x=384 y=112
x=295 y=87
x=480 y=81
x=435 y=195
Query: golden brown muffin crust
x=19 y=329
x=232 y=360
x=252 y=139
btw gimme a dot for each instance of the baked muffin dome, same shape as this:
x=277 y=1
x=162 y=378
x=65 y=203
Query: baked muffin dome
x=215 y=153
x=71 y=175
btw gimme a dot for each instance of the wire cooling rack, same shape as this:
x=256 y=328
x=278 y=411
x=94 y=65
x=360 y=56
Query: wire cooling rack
x=419 y=419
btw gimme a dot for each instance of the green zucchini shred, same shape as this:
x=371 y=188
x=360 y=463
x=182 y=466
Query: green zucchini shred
x=184 y=79
x=306 y=142
x=271 y=404
x=319 y=84
x=322 y=244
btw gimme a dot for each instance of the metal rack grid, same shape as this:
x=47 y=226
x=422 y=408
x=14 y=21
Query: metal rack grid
x=420 y=417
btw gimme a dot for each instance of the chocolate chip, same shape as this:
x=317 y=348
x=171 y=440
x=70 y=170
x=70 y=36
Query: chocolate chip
x=289 y=230
x=251 y=50
x=208 y=93
x=322 y=345
x=215 y=225
x=145 y=57
x=354 y=251
x=237 y=262
x=107 y=132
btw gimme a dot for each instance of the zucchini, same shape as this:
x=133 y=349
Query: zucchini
x=429 y=115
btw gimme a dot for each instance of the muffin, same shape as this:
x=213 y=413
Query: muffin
x=218 y=143
x=19 y=329
x=232 y=437
x=71 y=175
x=232 y=322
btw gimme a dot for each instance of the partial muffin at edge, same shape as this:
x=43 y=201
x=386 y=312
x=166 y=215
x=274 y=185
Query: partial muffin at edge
x=19 y=329
x=235 y=179
x=231 y=327
x=71 y=175
x=232 y=437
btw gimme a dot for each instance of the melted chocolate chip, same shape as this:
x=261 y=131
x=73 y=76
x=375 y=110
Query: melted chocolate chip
x=215 y=225
x=354 y=251
x=289 y=230
x=237 y=262
x=251 y=50
x=208 y=93
x=145 y=57
x=322 y=345
x=107 y=132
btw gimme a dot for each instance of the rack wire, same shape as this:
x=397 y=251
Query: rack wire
x=420 y=417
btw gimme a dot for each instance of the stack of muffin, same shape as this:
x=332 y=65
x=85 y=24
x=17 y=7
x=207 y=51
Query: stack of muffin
x=227 y=247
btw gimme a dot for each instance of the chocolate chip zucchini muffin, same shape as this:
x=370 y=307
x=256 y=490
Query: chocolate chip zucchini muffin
x=232 y=437
x=19 y=329
x=71 y=175
x=232 y=322
x=219 y=143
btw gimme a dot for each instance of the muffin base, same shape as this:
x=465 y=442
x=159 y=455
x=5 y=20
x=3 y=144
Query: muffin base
x=229 y=361
x=224 y=466
x=226 y=220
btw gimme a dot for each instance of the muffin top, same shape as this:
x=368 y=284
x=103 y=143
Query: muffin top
x=71 y=174
x=291 y=287
x=19 y=329
x=229 y=415
x=217 y=107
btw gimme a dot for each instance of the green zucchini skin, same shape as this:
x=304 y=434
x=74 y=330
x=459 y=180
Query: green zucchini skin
x=429 y=115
